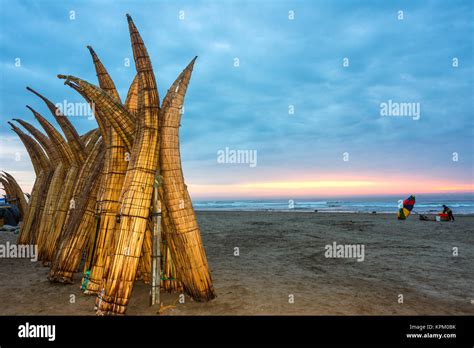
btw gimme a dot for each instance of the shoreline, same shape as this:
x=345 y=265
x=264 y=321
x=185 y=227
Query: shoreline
x=316 y=212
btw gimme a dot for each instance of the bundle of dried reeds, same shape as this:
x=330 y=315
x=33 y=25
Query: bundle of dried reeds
x=77 y=149
x=138 y=187
x=17 y=192
x=94 y=192
x=80 y=223
x=40 y=187
x=187 y=251
x=55 y=187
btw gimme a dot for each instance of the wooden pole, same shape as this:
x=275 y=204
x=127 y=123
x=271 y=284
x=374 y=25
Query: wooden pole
x=156 y=253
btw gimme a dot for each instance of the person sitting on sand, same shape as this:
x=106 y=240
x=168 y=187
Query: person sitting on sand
x=447 y=210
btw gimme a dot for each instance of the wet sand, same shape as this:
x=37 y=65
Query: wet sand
x=282 y=257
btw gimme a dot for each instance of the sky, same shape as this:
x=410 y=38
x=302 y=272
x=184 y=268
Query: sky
x=297 y=86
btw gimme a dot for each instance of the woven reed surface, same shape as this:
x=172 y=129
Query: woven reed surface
x=51 y=151
x=40 y=164
x=59 y=193
x=30 y=226
x=107 y=235
x=33 y=219
x=131 y=102
x=60 y=213
x=37 y=156
x=93 y=140
x=115 y=169
x=32 y=212
x=81 y=226
x=187 y=250
x=57 y=139
x=52 y=198
x=99 y=117
x=18 y=192
x=170 y=273
x=138 y=186
x=15 y=191
x=109 y=174
x=112 y=109
x=73 y=138
x=87 y=134
x=70 y=182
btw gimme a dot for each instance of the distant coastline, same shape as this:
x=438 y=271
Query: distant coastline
x=427 y=204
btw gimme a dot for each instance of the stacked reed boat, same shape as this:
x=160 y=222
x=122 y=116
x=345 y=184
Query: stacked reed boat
x=92 y=197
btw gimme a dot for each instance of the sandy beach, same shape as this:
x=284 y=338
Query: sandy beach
x=282 y=258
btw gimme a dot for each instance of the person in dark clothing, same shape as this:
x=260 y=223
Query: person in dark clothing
x=447 y=210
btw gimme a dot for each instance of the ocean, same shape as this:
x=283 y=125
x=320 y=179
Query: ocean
x=426 y=204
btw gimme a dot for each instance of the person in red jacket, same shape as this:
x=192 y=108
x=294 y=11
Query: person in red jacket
x=447 y=210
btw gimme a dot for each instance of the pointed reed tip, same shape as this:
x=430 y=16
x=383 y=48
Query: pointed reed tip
x=91 y=50
x=33 y=91
x=129 y=18
x=14 y=128
x=61 y=76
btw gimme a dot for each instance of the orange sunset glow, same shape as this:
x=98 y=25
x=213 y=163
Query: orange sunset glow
x=317 y=188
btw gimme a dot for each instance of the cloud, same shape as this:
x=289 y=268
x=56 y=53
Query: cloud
x=283 y=63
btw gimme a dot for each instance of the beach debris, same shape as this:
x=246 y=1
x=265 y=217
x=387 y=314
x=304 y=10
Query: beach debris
x=10 y=228
x=427 y=218
x=93 y=192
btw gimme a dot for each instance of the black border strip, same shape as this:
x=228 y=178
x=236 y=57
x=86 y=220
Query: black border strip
x=222 y=330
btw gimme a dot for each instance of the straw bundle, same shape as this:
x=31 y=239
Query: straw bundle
x=77 y=151
x=56 y=184
x=73 y=138
x=109 y=173
x=36 y=153
x=17 y=192
x=138 y=186
x=6 y=187
x=40 y=188
x=115 y=168
x=186 y=238
x=114 y=112
x=38 y=157
x=115 y=160
x=80 y=223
